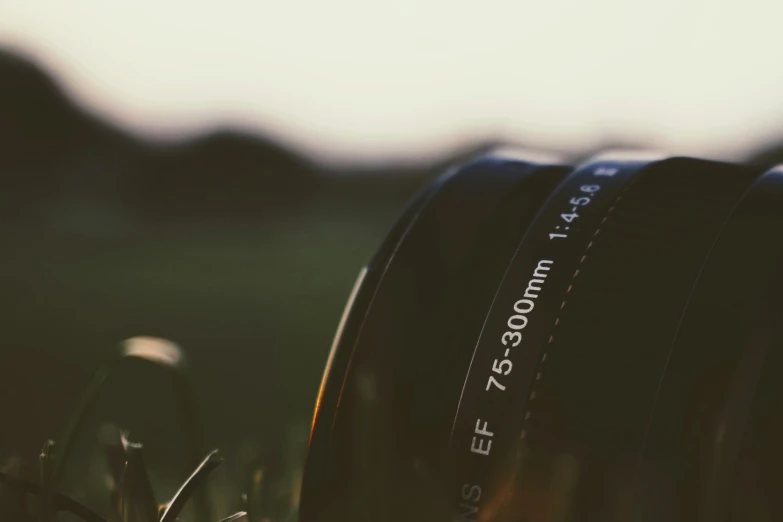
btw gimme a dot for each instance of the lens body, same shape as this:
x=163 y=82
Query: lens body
x=540 y=342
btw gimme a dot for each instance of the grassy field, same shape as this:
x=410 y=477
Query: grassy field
x=254 y=305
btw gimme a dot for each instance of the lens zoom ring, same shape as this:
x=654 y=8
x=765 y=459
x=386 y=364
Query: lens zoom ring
x=603 y=363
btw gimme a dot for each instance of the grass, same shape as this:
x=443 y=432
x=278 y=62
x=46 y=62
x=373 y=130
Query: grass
x=256 y=305
x=132 y=496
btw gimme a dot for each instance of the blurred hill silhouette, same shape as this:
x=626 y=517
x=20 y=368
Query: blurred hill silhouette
x=54 y=155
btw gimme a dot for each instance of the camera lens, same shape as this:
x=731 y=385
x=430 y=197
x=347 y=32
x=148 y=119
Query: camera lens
x=535 y=342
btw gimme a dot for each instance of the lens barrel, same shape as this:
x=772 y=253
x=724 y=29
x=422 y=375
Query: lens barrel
x=539 y=342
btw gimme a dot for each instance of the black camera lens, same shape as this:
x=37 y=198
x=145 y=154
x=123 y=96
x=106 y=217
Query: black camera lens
x=535 y=342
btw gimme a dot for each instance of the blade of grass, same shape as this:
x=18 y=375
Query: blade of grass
x=110 y=439
x=13 y=502
x=155 y=351
x=179 y=500
x=46 y=464
x=59 y=502
x=255 y=481
x=172 y=357
x=137 y=499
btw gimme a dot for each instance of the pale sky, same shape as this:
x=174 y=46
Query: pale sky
x=356 y=80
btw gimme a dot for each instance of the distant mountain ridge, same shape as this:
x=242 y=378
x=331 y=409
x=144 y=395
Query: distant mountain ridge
x=52 y=153
x=55 y=155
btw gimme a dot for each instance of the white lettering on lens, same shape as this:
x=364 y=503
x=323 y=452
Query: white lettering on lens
x=519 y=321
x=479 y=448
x=467 y=513
x=541 y=268
x=605 y=171
x=515 y=336
x=471 y=494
